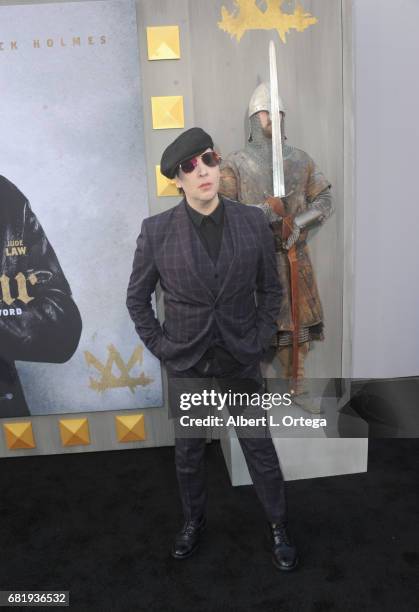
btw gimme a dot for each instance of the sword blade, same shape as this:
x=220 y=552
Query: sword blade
x=277 y=158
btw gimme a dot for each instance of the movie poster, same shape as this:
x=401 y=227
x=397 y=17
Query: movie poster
x=73 y=194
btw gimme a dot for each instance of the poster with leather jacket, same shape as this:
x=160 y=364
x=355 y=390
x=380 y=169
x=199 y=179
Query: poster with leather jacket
x=39 y=320
x=73 y=194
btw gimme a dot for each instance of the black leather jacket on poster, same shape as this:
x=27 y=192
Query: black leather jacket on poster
x=39 y=320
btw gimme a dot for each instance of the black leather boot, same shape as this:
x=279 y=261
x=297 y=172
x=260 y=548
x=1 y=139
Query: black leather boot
x=187 y=540
x=284 y=552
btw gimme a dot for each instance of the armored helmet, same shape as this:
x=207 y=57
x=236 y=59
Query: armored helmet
x=261 y=100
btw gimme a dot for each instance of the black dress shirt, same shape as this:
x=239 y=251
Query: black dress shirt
x=209 y=228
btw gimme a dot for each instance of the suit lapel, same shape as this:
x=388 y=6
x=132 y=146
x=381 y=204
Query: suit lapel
x=229 y=252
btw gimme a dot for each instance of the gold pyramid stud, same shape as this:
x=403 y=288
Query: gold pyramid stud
x=130 y=428
x=19 y=435
x=74 y=432
x=167 y=112
x=164 y=186
x=163 y=43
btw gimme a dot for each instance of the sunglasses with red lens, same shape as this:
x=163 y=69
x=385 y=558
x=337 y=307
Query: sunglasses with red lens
x=210 y=158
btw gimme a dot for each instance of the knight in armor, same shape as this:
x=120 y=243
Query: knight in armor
x=246 y=176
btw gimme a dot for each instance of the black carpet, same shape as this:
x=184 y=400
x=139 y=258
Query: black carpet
x=101 y=524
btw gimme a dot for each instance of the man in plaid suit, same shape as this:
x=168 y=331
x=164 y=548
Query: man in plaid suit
x=215 y=260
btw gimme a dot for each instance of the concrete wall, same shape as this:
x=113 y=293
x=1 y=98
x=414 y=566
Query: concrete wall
x=386 y=290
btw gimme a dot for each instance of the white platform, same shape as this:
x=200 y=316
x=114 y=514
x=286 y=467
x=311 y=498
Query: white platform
x=311 y=456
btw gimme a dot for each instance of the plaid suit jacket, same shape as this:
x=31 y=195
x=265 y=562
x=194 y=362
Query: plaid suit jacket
x=240 y=295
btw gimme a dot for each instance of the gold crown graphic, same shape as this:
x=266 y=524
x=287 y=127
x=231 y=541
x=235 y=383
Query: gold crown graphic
x=108 y=379
x=247 y=15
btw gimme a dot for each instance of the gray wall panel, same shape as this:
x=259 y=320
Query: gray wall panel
x=225 y=74
x=386 y=294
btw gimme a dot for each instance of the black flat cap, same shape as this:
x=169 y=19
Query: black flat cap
x=189 y=143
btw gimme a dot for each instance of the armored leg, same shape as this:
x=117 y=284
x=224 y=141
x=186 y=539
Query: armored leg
x=285 y=358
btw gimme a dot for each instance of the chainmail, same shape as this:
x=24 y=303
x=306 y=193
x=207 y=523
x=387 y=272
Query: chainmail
x=259 y=148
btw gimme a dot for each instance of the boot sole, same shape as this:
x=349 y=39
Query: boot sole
x=284 y=568
x=189 y=554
